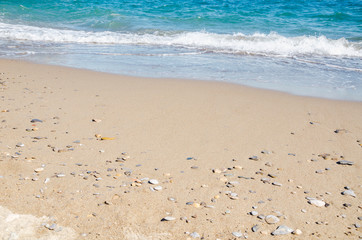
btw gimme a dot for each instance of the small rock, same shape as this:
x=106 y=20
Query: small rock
x=20 y=145
x=282 y=230
x=316 y=202
x=60 y=175
x=349 y=193
x=153 y=181
x=233 y=196
x=271 y=219
x=255 y=158
x=255 y=228
x=157 y=188
x=269 y=164
x=36 y=120
x=253 y=213
x=194 y=235
x=297 y=232
x=237 y=234
x=168 y=218
x=216 y=170
x=38 y=170
x=51 y=227
x=345 y=162
x=340 y=131
x=277 y=184
x=196 y=205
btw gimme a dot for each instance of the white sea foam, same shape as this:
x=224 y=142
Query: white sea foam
x=238 y=43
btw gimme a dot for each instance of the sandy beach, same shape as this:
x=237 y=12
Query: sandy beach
x=89 y=155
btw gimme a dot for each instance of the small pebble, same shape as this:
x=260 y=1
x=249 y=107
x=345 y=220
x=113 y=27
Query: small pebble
x=253 y=213
x=297 y=232
x=153 y=181
x=168 y=218
x=157 y=188
x=349 y=193
x=194 y=235
x=277 y=184
x=237 y=234
x=36 y=120
x=38 y=170
x=255 y=228
x=345 y=162
x=255 y=158
x=271 y=219
x=316 y=202
x=282 y=230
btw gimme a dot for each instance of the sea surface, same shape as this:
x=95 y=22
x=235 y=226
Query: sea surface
x=311 y=48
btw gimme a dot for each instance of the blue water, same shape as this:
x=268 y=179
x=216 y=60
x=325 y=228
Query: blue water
x=311 y=48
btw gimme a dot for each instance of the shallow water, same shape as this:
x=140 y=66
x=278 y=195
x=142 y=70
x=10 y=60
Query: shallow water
x=311 y=48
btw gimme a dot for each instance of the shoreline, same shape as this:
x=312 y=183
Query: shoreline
x=82 y=148
x=183 y=79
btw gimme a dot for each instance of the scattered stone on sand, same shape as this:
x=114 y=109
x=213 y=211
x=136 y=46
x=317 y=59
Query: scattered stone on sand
x=168 y=218
x=282 y=230
x=272 y=175
x=35 y=120
x=253 y=213
x=96 y=120
x=255 y=158
x=233 y=196
x=349 y=193
x=237 y=234
x=255 y=228
x=316 y=202
x=345 y=162
x=268 y=164
x=20 y=145
x=37 y=170
x=153 y=181
x=194 y=235
x=297 y=232
x=271 y=219
x=157 y=188
x=340 y=131
x=277 y=184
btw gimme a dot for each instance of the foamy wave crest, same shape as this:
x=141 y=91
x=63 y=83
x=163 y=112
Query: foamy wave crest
x=255 y=44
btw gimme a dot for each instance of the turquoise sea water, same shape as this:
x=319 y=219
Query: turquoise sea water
x=311 y=48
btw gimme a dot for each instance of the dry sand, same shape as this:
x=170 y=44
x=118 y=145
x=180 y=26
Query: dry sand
x=191 y=136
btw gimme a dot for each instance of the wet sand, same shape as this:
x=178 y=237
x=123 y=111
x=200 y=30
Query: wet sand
x=83 y=149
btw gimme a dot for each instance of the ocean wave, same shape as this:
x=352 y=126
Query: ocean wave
x=238 y=43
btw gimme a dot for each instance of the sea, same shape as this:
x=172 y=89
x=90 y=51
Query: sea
x=302 y=47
